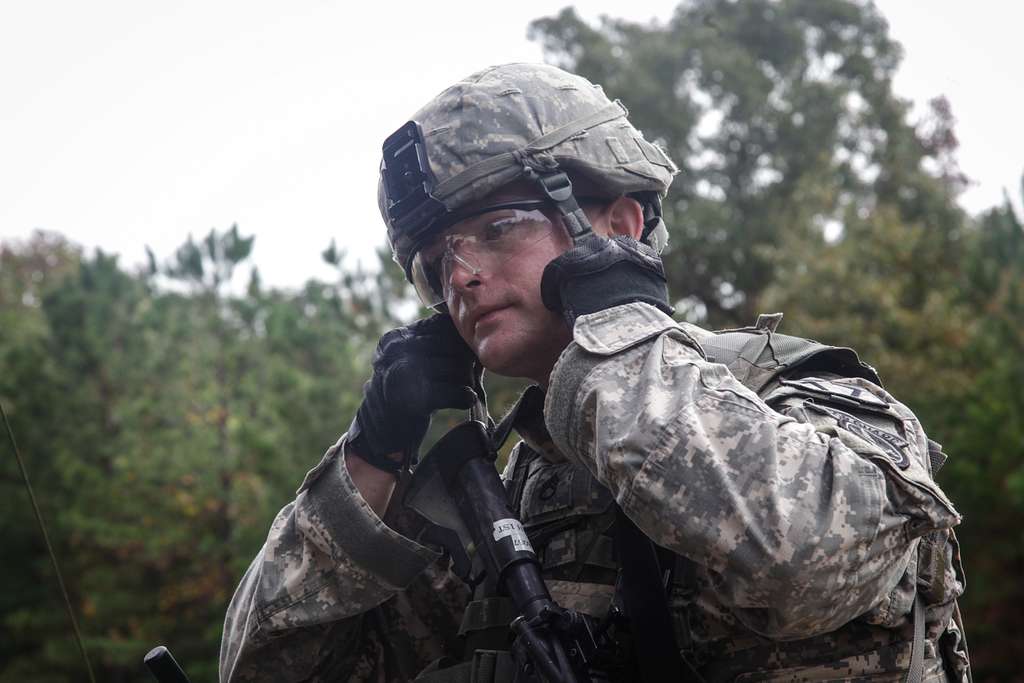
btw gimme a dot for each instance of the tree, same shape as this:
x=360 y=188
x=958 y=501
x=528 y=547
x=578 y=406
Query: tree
x=169 y=415
x=985 y=427
x=782 y=119
x=29 y=272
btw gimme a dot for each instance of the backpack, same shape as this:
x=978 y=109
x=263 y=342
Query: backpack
x=786 y=371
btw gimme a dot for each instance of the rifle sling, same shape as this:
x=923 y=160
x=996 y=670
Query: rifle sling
x=646 y=604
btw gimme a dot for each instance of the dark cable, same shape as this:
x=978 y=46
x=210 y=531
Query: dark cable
x=49 y=548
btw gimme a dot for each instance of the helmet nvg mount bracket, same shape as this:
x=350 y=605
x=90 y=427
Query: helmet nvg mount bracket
x=408 y=181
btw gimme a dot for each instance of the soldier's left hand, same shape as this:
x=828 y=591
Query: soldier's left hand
x=599 y=273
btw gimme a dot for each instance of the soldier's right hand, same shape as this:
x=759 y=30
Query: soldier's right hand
x=417 y=369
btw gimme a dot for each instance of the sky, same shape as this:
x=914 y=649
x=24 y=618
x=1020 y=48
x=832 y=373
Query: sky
x=128 y=123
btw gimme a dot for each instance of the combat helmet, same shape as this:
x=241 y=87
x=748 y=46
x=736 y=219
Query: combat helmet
x=508 y=122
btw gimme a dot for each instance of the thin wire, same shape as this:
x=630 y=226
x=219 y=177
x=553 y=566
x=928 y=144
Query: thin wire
x=49 y=547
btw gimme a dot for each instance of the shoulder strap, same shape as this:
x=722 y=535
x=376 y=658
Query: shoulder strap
x=916 y=670
x=486 y=666
x=758 y=355
x=645 y=600
x=522 y=456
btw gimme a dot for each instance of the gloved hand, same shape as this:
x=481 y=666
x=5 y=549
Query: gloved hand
x=417 y=369
x=599 y=273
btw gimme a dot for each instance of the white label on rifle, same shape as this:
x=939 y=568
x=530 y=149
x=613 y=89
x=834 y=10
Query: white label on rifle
x=505 y=528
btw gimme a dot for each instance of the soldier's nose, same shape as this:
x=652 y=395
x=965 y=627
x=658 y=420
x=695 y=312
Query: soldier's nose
x=464 y=274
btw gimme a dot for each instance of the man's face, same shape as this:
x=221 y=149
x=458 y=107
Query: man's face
x=497 y=307
x=490 y=266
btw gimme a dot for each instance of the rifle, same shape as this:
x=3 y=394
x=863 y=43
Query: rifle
x=457 y=488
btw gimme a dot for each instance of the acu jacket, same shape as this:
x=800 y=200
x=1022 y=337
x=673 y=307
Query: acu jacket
x=802 y=512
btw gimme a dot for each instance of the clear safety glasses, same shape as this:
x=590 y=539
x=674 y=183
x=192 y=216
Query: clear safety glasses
x=482 y=241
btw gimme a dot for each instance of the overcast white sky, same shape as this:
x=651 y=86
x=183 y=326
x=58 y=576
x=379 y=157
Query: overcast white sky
x=128 y=123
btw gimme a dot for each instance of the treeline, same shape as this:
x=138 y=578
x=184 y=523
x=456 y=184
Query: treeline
x=167 y=414
x=165 y=421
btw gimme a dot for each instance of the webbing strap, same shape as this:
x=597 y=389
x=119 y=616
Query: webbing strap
x=490 y=165
x=486 y=666
x=480 y=169
x=488 y=613
x=740 y=352
x=916 y=671
x=958 y=618
x=558 y=189
x=646 y=604
x=459 y=673
x=613 y=111
x=524 y=456
x=577 y=224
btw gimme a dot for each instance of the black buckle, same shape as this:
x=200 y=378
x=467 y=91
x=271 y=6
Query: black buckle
x=558 y=188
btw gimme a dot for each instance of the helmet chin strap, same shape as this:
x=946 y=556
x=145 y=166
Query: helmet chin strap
x=558 y=188
x=651 y=203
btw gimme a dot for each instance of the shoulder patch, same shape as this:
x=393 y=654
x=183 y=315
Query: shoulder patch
x=839 y=392
x=893 y=445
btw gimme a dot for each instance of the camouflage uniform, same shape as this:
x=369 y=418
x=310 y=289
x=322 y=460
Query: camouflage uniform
x=803 y=532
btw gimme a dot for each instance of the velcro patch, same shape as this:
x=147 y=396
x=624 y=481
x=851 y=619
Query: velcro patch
x=843 y=393
x=618 y=150
x=891 y=444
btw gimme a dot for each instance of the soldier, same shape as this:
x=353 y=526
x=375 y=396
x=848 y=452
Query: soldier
x=791 y=499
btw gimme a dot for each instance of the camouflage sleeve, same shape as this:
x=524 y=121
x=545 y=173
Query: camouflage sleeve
x=336 y=594
x=802 y=528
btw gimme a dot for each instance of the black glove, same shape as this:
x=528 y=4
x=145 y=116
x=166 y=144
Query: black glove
x=598 y=273
x=417 y=369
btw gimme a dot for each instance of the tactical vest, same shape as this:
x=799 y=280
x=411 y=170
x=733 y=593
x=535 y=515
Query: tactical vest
x=570 y=519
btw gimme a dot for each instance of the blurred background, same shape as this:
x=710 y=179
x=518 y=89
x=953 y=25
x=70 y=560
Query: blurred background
x=192 y=271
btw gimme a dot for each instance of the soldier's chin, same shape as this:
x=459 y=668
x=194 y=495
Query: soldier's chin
x=503 y=358
x=530 y=366
x=493 y=357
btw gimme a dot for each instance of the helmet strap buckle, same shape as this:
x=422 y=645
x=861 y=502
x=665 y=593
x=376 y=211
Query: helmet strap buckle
x=558 y=188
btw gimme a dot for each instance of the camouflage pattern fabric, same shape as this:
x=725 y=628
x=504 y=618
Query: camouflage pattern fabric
x=335 y=594
x=801 y=541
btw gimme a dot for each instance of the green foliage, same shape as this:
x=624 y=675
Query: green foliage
x=165 y=421
x=983 y=423
x=781 y=117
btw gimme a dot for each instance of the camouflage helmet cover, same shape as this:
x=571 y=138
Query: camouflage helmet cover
x=488 y=129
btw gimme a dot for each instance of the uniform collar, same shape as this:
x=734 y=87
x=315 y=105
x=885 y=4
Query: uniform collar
x=527 y=418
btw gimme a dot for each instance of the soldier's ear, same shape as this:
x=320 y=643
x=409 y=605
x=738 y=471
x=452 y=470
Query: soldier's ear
x=624 y=217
